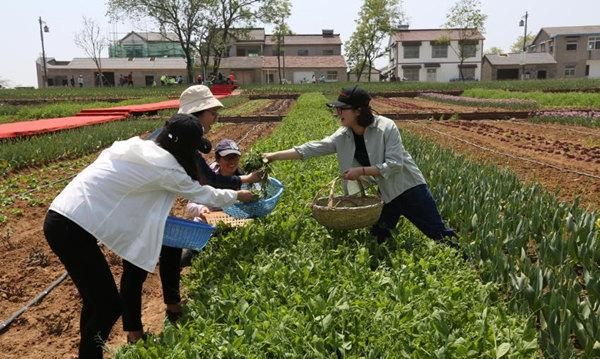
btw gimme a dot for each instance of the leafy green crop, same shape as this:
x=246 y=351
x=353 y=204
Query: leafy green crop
x=286 y=287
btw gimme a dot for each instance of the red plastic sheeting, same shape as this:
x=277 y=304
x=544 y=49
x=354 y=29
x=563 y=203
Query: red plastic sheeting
x=222 y=89
x=30 y=128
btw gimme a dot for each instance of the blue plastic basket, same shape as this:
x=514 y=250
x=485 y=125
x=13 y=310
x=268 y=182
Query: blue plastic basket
x=182 y=233
x=261 y=207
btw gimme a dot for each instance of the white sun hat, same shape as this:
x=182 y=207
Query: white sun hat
x=197 y=98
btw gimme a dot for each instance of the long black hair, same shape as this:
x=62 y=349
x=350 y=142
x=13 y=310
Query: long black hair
x=182 y=137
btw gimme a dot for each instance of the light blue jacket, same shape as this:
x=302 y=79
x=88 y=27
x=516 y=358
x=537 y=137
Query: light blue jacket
x=386 y=152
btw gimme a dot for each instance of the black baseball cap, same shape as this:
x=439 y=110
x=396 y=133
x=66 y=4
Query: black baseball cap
x=352 y=96
x=186 y=131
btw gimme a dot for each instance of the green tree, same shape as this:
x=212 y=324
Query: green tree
x=494 y=51
x=465 y=17
x=517 y=46
x=376 y=20
x=179 y=16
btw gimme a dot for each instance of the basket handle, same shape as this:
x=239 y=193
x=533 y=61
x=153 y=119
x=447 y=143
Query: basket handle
x=331 y=186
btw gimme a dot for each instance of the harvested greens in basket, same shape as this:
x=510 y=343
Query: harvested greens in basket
x=253 y=161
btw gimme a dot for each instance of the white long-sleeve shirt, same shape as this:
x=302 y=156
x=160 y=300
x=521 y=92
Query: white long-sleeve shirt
x=124 y=197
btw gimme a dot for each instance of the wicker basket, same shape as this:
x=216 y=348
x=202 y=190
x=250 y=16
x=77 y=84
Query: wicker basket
x=181 y=233
x=348 y=211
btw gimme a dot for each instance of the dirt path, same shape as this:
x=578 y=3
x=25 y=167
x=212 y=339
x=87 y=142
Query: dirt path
x=563 y=159
x=51 y=328
x=421 y=105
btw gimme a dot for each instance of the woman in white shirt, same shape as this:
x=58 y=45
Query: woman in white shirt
x=122 y=200
x=370 y=145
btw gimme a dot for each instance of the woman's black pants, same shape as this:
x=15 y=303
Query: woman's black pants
x=132 y=281
x=79 y=252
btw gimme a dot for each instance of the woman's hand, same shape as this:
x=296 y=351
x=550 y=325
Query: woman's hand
x=268 y=157
x=202 y=212
x=246 y=196
x=353 y=173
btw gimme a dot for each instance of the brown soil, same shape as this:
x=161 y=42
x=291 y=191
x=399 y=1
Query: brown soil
x=50 y=329
x=421 y=105
x=559 y=151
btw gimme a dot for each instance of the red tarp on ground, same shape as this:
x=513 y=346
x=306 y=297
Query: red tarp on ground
x=85 y=117
x=29 y=128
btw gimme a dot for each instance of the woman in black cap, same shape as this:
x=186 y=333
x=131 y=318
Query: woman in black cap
x=370 y=145
x=122 y=200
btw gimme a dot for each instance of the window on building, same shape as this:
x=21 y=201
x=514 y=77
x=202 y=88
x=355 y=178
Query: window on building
x=303 y=52
x=328 y=52
x=587 y=70
x=570 y=70
x=332 y=76
x=439 y=51
x=542 y=47
x=571 y=45
x=281 y=52
x=468 y=73
x=411 y=74
x=411 y=52
x=469 y=50
x=594 y=43
x=432 y=74
x=551 y=48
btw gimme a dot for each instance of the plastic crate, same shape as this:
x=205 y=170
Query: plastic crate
x=261 y=207
x=182 y=233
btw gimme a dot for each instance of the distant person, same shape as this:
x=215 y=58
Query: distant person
x=220 y=79
x=231 y=78
x=80 y=80
x=313 y=79
x=199 y=79
x=130 y=79
x=72 y=81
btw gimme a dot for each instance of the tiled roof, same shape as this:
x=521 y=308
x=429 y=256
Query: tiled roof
x=136 y=63
x=270 y=62
x=254 y=35
x=155 y=36
x=334 y=61
x=572 y=30
x=240 y=62
x=305 y=40
x=432 y=35
x=530 y=58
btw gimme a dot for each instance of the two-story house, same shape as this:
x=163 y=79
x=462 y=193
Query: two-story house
x=576 y=49
x=304 y=58
x=434 y=55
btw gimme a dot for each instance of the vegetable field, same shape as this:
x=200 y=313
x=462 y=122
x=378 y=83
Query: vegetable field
x=522 y=195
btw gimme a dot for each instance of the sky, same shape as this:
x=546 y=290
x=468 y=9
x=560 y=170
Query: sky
x=21 y=41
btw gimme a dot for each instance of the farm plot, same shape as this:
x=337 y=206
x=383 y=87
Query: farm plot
x=258 y=109
x=565 y=159
x=51 y=328
x=402 y=105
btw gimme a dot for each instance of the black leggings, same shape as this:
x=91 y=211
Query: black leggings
x=132 y=281
x=79 y=252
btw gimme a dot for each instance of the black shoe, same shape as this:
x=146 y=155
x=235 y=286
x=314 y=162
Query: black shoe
x=143 y=338
x=187 y=256
x=173 y=317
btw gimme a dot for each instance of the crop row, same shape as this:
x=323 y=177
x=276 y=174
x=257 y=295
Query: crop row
x=286 y=287
x=562 y=100
x=473 y=101
x=545 y=253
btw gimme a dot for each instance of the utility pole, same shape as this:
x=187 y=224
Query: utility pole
x=45 y=29
x=523 y=22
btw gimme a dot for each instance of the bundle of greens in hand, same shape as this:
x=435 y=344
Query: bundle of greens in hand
x=253 y=161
